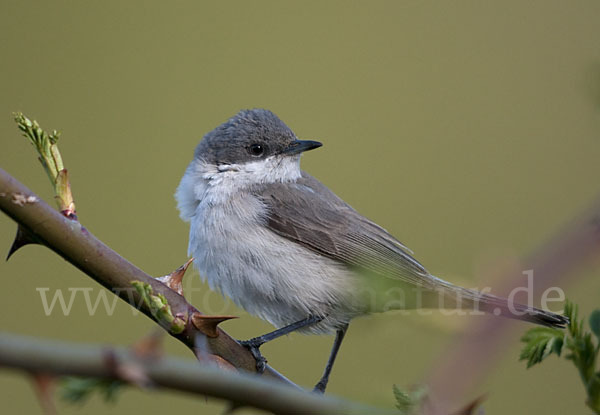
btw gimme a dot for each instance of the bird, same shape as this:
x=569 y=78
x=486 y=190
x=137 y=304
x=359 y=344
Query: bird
x=285 y=248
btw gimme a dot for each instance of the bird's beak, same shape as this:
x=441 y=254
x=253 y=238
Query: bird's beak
x=299 y=146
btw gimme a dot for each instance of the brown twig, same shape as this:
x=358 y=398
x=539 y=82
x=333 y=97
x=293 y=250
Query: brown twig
x=60 y=358
x=69 y=239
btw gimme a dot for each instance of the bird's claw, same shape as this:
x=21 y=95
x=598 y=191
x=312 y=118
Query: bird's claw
x=320 y=388
x=253 y=346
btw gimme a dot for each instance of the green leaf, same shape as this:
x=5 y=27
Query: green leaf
x=593 y=390
x=49 y=156
x=579 y=346
x=78 y=390
x=540 y=342
x=408 y=402
x=159 y=308
x=403 y=399
x=594 y=323
x=583 y=354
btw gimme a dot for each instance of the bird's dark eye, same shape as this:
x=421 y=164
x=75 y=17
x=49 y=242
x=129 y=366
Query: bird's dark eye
x=256 y=150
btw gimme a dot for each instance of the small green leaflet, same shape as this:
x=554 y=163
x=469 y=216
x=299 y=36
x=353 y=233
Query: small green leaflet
x=541 y=342
x=77 y=389
x=409 y=402
x=595 y=323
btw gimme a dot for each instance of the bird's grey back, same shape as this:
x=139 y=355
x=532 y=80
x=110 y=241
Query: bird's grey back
x=310 y=214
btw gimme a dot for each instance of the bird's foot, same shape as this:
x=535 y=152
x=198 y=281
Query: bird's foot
x=320 y=387
x=253 y=346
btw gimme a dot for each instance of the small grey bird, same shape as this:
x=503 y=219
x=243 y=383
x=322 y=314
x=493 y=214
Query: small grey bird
x=285 y=248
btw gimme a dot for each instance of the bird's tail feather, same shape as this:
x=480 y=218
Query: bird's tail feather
x=471 y=299
x=505 y=308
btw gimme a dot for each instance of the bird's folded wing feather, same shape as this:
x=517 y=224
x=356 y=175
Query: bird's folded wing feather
x=309 y=214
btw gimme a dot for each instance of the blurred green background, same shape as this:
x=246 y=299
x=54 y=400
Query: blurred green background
x=470 y=130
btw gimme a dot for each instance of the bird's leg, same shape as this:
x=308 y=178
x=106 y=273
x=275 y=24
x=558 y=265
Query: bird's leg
x=339 y=336
x=254 y=343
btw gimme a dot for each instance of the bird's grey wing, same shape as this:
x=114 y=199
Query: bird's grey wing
x=308 y=213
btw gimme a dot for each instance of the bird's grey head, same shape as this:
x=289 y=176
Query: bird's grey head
x=248 y=137
x=253 y=147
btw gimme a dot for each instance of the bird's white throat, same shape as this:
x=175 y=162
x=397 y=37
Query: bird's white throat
x=217 y=183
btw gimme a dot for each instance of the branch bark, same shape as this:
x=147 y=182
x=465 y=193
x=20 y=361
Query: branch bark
x=61 y=358
x=69 y=239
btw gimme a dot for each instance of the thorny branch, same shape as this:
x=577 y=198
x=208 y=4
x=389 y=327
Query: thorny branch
x=61 y=358
x=161 y=299
x=69 y=239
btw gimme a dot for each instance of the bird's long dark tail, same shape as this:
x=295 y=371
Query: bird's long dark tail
x=471 y=299
x=503 y=307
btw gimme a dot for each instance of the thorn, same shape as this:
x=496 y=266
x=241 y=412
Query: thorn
x=44 y=386
x=149 y=346
x=471 y=408
x=133 y=373
x=208 y=324
x=174 y=279
x=130 y=372
x=22 y=238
